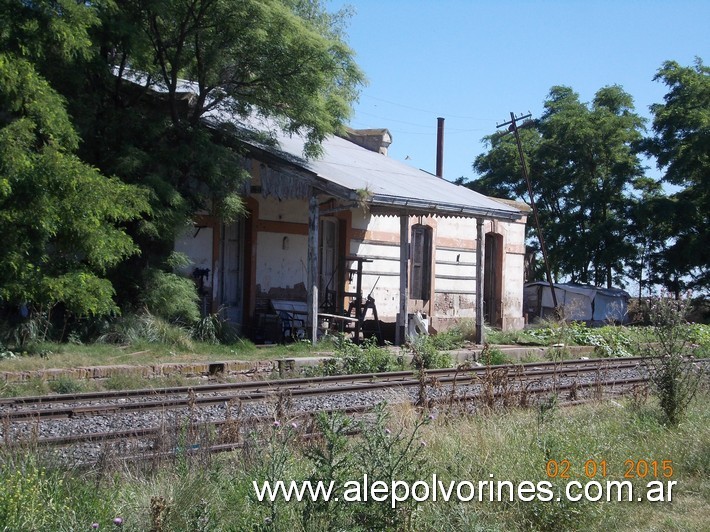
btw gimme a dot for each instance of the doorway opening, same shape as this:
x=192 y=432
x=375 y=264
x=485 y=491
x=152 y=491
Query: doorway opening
x=493 y=280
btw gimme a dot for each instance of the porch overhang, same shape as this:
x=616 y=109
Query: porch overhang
x=382 y=204
x=387 y=204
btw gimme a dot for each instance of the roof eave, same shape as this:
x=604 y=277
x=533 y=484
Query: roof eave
x=415 y=206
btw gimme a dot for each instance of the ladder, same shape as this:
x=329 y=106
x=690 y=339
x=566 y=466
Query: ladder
x=358 y=306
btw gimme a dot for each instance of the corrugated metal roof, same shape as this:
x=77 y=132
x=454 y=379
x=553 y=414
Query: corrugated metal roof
x=346 y=168
x=390 y=185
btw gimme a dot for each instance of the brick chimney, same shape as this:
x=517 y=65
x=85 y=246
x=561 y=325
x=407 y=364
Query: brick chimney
x=377 y=140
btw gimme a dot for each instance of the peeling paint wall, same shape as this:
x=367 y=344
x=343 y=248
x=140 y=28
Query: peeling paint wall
x=453 y=268
x=281 y=248
x=277 y=255
x=279 y=267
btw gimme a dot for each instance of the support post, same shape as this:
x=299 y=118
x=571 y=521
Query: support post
x=312 y=301
x=401 y=330
x=480 y=336
x=514 y=128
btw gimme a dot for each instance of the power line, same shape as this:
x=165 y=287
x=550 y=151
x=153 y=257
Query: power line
x=428 y=127
x=429 y=111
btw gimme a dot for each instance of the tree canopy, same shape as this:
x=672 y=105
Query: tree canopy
x=602 y=218
x=681 y=146
x=60 y=218
x=584 y=167
x=145 y=92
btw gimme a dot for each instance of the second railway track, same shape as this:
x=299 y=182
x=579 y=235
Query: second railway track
x=110 y=402
x=144 y=422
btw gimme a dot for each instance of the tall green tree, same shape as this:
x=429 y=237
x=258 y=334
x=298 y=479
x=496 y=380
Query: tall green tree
x=157 y=101
x=61 y=220
x=583 y=164
x=681 y=146
x=214 y=60
x=154 y=87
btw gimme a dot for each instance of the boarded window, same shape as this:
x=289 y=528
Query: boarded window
x=420 y=285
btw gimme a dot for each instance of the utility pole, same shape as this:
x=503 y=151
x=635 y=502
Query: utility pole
x=513 y=128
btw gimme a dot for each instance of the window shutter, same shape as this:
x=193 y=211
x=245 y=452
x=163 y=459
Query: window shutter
x=421 y=262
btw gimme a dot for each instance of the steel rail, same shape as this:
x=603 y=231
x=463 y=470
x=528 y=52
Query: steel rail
x=133 y=434
x=279 y=383
x=357 y=383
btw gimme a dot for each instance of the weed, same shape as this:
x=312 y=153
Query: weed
x=608 y=341
x=453 y=338
x=332 y=462
x=525 y=337
x=159 y=508
x=545 y=410
x=274 y=460
x=34 y=497
x=465 y=330
x=124 y=382
x=146 y=327
x=219 y=494
x=6 y=353
x=35 y=328
x=34 y=386
x=492 y=356
x=209 y=329
x=673 y=375
x=66 y=385
x=351 y=358
x=389 y=455
x=426 y=354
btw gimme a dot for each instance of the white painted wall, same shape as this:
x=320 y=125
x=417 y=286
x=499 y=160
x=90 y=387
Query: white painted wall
x=281 y=258
x=277 y=267
x=454 y=268
x=454 y=259
x=275 y=210
x=197 y=245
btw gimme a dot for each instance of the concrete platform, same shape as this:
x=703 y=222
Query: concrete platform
x=255 y=370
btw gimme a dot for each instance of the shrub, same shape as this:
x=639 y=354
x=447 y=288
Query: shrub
x=145 y=327
x=426 y=354
x=673 y=375
x=170 y=297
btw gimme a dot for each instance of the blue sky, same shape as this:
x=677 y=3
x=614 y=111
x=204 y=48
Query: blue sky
x=473 y=62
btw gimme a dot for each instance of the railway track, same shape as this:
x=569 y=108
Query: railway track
x=74 y=405
x=100 y=418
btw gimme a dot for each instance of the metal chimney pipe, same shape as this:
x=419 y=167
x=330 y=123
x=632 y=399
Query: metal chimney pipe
x=440 y=147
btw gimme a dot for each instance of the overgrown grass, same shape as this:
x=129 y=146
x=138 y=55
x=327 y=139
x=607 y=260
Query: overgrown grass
x=150 y=340
x=517 y=445
x=350 y=358
x=216 y=493
x=63 y=355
